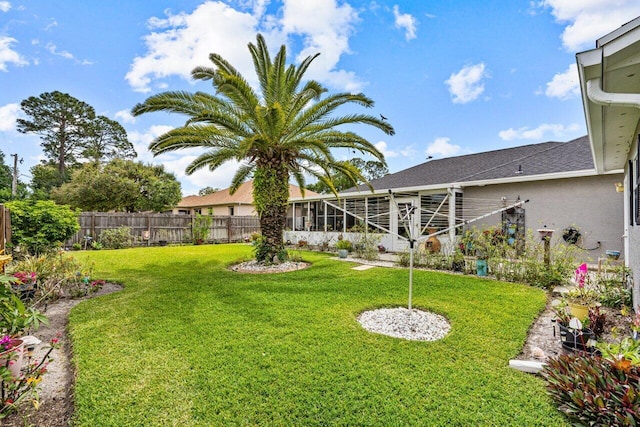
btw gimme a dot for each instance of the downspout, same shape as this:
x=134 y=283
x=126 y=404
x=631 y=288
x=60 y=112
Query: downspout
x=600 y=97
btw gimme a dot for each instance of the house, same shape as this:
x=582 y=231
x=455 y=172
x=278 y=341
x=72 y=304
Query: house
x=610 y=85
x=223 y=203
x=552 y=184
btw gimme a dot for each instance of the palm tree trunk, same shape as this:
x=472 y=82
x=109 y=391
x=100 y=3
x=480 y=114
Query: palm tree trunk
x=270 y=196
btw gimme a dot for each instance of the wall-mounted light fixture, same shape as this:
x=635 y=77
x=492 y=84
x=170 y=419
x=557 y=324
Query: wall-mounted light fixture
x=619 y=187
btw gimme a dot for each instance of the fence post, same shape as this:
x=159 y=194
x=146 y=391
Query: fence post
x=229 y=229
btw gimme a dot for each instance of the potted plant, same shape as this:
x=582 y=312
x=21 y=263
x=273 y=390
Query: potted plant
x=201 y=228
x=457 y=263
x=581 y=298
x=482 y=267
x=344 y=247
x=25 y=283
x=574 y=336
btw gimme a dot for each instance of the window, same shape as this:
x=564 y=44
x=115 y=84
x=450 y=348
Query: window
x=434 y=212
x=230 y=210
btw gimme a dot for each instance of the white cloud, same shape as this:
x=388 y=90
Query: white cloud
x=564 y=85
x=54 y=50
x=180 y=42
x=553 y=129
x=406 y=22
x=51 y=25
x=8 y=115
x=324 y=27
x=5 y=6
x=407 y=151
x=467 y=84
x=8 y=55
x=125 y=116
x=442 y=147
x=590 y=20
x=383 y=148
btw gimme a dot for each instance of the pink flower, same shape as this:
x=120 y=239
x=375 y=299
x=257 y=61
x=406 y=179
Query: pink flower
x=581 y=275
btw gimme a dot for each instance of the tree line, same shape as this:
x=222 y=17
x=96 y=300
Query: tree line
x=88 y=161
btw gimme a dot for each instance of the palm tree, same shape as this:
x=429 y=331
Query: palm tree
x=286 y=130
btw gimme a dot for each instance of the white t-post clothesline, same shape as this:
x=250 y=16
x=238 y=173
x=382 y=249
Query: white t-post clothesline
x=405 y=217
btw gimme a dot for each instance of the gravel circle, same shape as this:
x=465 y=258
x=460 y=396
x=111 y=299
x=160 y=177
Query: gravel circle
x=415 y=325
x=260 y=268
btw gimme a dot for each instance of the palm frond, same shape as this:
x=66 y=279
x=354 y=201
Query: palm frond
x=241 y=175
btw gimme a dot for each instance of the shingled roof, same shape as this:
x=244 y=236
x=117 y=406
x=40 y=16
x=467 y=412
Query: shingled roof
x=244 y=195
x=524 y=161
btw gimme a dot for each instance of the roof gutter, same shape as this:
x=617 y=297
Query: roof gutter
x=600 y=97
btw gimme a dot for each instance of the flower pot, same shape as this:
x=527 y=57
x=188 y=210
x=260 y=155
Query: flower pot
x=614 y=255
x=457 y=266
x=432 y=244
x=12 y=358
x=575 y=336
x=569 y=347
x=580 y=311
x=342 y=253
x=481 y=267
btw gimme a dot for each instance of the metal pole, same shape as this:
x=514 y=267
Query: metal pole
x=14 y=182
x=411 y=242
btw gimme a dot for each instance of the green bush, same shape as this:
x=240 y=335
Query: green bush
x=58 y=275
x=344 y=244
x=201 y=228
x=116 y=238
x=39 y=226
x=366 y=246
x=615 y=286
x=595 y=391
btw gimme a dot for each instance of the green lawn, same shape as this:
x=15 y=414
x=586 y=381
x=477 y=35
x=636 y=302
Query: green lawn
x=188 y=342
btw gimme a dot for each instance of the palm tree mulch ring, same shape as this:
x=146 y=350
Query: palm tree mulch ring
x=255 y=267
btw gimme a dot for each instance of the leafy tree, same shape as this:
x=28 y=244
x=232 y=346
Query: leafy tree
x=120 y=185
x=285 y=130
x=38 y=226
x=44 y=178
x=207 y=190
x=371 y=169
x=107 y=140
x=70 y=130
x=6 y=177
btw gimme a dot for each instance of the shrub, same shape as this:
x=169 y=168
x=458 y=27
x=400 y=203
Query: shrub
x=116 y=238
x=38 y=226
x=615 y=286
x=594 y=391
x=201 y=228
x=344 y=244
x=366 y=246
x=58 y=275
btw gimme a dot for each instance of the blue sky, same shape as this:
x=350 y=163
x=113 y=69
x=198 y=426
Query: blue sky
x=453 y=77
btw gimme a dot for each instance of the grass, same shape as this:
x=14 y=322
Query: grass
x=190 y=343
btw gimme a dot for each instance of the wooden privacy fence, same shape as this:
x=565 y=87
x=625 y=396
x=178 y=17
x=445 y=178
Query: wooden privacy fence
x=150 y=228
x=5 y=228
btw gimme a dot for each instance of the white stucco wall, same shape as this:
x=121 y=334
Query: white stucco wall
x=590 y=204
